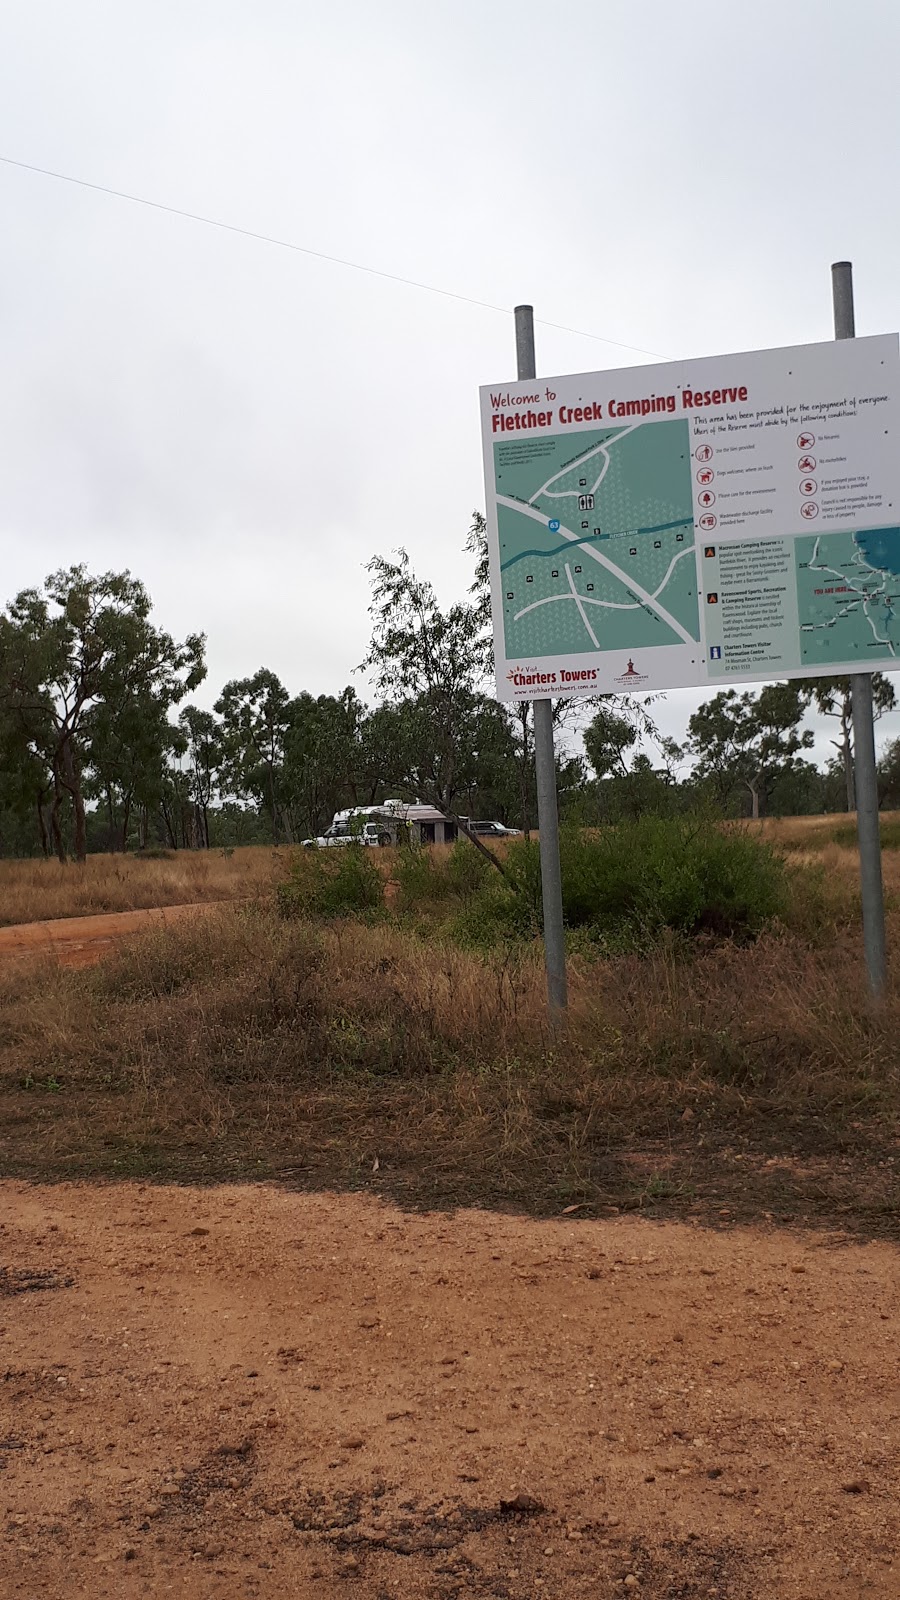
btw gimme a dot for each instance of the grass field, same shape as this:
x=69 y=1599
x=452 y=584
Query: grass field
x=38 y=890
x=370 y=1052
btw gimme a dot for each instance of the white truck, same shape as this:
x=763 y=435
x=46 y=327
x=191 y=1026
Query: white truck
x=391 y=822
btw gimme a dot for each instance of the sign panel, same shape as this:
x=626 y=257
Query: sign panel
x=733 y=519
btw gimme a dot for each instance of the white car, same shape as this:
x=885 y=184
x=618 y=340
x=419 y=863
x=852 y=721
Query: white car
x=341 y=833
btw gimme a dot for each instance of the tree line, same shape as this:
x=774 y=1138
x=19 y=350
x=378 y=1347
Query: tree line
x=101 y=748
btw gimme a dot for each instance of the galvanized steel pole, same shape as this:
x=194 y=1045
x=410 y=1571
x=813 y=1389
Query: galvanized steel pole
x=867 y=824
x=545 y=771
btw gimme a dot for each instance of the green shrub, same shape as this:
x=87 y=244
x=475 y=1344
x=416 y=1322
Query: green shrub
x=421 y=875
x=467 y=868
x=624 y=886
x=688 y=875
x=332 y=883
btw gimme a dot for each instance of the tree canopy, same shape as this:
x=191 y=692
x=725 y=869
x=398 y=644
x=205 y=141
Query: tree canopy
x=100 y=746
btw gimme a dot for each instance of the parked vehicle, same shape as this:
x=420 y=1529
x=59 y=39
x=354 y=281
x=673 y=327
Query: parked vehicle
x=494 y=830
x=393 y=822
x=343 y=831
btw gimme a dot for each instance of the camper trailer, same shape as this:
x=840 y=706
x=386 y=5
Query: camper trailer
x=391 y=822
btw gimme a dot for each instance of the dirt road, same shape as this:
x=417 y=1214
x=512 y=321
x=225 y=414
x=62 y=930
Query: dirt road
x=82 y=941
x=250 y=1392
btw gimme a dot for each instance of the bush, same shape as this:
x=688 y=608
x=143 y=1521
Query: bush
x=332 y=883
x=625 y=886
x=687 y=875
x=421 y=875
x=426 y=875
x=467 y=869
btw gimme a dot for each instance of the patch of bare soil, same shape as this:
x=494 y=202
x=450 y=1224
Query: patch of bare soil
x=251 y=1392
x=83 y=941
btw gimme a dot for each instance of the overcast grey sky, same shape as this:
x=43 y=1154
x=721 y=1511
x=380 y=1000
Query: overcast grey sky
x=244 y=426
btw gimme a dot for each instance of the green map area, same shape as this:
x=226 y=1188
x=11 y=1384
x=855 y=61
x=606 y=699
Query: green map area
x=848 y=597
x=597 y=540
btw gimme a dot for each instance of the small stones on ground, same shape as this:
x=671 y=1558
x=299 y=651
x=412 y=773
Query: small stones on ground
x=352 y=1441
x=631 y=1581
x=521 y=1505
x=854 y=1486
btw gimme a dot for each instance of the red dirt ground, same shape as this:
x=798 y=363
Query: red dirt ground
x=252 y=1392
x=82 y=941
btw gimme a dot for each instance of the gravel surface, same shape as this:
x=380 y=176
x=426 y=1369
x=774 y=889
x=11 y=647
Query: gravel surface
x=249 y=1392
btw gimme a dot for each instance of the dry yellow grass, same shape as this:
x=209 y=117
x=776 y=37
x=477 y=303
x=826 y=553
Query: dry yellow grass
x=242 y=1044
x=779 y=829
x=38 y=891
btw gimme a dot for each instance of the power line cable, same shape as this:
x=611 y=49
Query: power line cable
x=306 y=250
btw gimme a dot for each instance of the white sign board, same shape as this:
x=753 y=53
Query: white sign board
x=696 y=523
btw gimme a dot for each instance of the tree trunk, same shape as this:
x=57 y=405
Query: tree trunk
x=846 y=749
x=55 y=830
x=45 y=841
x=169 y=824
x=523 y=711
x=71 y=780
x=272 y=815
x=126 y=817
x=754 y=800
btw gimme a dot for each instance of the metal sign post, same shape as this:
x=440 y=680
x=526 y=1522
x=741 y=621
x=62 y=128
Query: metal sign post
x=545 y=771
x=867 y=824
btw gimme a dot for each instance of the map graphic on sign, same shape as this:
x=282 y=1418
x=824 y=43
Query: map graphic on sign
x=623 y=573
x=848 y=597
x=603 y=490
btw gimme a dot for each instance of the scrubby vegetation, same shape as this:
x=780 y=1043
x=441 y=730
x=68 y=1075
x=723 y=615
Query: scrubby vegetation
x=325 y=1050
x=624 y=887
x=381 y=1018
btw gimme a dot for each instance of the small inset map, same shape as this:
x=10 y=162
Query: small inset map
x=848 y=597
x=597 y=540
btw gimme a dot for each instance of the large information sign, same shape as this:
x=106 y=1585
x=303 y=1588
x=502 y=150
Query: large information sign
x=696 y=523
